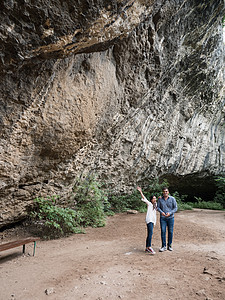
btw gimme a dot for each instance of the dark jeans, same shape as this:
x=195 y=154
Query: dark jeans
x=150 y=227
x=166 y=222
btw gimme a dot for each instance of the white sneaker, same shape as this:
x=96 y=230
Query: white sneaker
x=153 y=252
x=150 y=250
x=170 y=248
x=162 y=249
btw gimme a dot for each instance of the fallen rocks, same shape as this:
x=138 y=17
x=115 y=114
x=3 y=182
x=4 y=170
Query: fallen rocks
x=49 y=291
x=132 y=211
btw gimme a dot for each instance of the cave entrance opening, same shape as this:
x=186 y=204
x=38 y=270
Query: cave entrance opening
x=193 y=185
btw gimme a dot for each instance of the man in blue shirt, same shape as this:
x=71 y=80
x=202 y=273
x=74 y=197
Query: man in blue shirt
x=167 y=206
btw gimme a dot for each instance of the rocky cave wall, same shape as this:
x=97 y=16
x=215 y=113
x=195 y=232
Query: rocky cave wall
x=128 y=90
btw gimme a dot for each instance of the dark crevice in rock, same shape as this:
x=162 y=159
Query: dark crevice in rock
x=156 y=19
x=100 y=46
x=22 y=186
x=12 y=225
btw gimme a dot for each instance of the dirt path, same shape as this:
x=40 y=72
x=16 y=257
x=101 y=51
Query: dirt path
x=109 y=263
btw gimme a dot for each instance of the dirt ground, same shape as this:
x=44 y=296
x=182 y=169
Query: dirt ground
x=110 y=262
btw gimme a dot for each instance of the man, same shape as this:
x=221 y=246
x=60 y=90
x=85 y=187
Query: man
x=167 y=206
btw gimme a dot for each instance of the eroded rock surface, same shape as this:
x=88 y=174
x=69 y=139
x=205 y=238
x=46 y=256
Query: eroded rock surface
x=128 y=90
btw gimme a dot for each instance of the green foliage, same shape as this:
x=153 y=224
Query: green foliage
x=200 y=203
x=180 y=201
x=184 y=206
x=155 y=188
x=121 y=203
x=220 y=193
x=92 y=214
x=91 y=202
x=198 y=199
x=108 y=208
x=88 y=207
x=207 y=205
x=59 y=221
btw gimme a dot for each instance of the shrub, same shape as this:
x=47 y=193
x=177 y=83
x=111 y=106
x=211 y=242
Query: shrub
x=155 y=188
x=180 y=201
x=184 y=206
x=88 y=206
x=91 y=202
x=121 y=203
x=220 y=193
x=57 y=220
x=198 y=199
x=208 y=205
x=92 y=213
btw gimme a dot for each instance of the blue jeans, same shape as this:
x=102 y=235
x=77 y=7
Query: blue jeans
x=165 y=222
x=150 y=227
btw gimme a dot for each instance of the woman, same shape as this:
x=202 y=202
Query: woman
x=150 y=220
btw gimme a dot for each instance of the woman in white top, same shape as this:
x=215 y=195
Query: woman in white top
x=150 y=219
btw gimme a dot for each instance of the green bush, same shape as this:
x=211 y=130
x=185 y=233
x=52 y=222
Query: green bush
x=121 y=203
x=91 y=202
x=207 y=205
x=184 y=206
x=181 y=205
x=88 y=206
x=220 y=193
x=155 y=188
x=198 y=199
x=57 y=220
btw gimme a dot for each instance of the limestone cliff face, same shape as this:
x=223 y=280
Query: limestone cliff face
x=128 y=90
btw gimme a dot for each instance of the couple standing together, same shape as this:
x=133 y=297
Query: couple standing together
x=166 y=206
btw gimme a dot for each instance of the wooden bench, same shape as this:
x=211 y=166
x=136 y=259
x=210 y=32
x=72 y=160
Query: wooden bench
x=18 y=243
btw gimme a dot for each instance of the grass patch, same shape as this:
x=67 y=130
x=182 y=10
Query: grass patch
x=207 y=205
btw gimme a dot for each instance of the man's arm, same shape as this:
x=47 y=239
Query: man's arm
x=174 y=205
x=158 y=206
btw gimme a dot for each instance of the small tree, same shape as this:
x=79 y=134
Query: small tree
x=90 y=201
